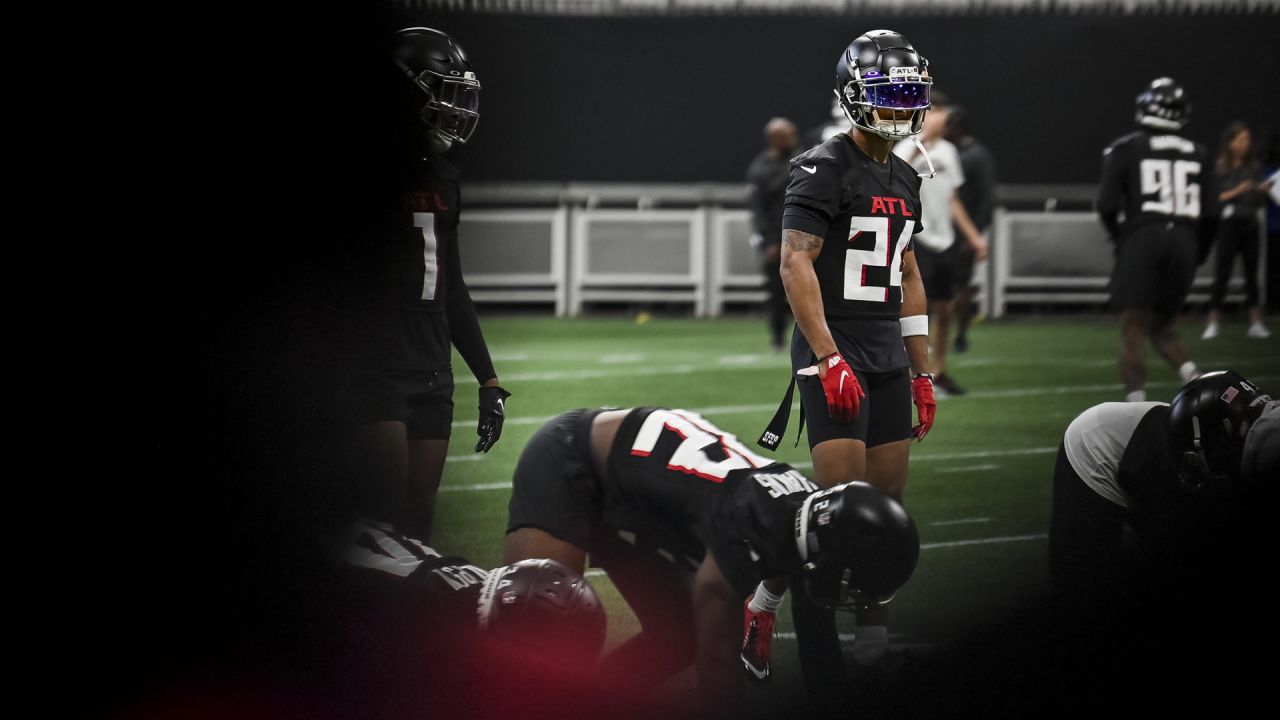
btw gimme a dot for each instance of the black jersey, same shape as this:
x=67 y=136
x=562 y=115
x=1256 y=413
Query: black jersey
x=1152 y=177
x=680 y=486
x=404 y=579
x=415 y=300
x=866 y=212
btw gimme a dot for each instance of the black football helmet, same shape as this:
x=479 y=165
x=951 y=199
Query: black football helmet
x=881 y=69
x=857 y=545
x=1163 y=105
x=437 y=66
x=1208 y=421
x=542 y=607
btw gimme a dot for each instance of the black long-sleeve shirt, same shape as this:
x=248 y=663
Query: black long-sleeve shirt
x=412 y=300
x=978 y=193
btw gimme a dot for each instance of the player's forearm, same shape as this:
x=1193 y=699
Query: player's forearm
x=803 y=292
x=917 y=352
x=718 y=619
x=915 y=303
x=465 y=333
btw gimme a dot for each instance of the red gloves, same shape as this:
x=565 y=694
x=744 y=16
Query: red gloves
x=844 y=394
x=926 y=406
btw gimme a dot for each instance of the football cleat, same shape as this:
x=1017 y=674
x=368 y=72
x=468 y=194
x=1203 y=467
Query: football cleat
x=757 y=642
x=948 y=385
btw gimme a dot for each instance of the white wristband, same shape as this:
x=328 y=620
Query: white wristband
x=915 y=325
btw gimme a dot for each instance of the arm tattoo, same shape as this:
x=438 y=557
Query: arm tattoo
x=801 y=241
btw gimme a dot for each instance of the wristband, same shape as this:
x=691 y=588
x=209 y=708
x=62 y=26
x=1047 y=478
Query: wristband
x=915 y=325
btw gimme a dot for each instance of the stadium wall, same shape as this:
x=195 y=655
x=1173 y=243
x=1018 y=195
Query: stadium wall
x=684 y=98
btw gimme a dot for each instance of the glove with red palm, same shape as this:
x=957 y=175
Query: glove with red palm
x=926 y=406
x=844 y=394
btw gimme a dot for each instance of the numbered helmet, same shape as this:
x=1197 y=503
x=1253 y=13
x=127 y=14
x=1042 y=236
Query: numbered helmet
x=541 y=607
x=441 y=72
x=857 y=545
x=1163 y=105
x=881 y=69
x=1207 y=424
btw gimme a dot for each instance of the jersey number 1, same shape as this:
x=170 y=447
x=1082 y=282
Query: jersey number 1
x=430 y=253
x=1167 y=179
x=857 y=261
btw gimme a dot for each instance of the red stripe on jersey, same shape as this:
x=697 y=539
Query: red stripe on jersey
x=691 y=471
x=724 y=445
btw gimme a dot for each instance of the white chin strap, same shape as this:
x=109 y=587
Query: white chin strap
x=928 y=160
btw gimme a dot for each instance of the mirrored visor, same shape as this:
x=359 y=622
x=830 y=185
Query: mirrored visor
x=905 y=95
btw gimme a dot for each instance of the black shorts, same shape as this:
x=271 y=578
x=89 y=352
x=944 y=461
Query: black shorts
x=1155 y=266
x=884 y=415
x=938 y=271
x=421 y=399
x=556 y=486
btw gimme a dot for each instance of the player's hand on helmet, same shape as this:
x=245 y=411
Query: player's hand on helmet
x=926 y=406
x=492 y=412
x=844 y=394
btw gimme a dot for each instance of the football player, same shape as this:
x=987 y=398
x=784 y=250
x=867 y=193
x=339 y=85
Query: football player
x=413 y=618
x=860 y=346
x=687 y=521
x=1165 y=471
x=1159 y=206
x=414 y=302
x=951 y=235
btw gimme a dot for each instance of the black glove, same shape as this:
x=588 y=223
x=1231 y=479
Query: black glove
x=492 y=413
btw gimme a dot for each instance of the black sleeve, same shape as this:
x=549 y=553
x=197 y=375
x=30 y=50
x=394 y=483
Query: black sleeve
x=985 y=181
x=1111 y=189
x=464 y=326
x=756 y=195
x=813 y=197
x=1210 y=207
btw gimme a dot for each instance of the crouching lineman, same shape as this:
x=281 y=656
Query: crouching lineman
x=1149 y=495
x=686 y=521
x=425 y=631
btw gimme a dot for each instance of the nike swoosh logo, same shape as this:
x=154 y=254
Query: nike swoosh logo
x=500 y=406
x=760 y=674
x=843 y=375
x=810 y=170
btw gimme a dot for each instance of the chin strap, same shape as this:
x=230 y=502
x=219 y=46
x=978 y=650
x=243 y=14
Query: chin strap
x=932 y=170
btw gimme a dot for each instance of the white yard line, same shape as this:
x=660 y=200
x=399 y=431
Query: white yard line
x=970 y=468
x=984 y=541
x=961 y=521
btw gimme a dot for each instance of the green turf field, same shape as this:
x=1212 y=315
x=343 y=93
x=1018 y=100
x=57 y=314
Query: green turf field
x=979 y=485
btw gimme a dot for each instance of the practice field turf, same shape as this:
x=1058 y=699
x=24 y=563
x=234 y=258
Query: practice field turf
x=979 y=485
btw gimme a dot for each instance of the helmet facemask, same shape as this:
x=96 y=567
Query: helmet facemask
x=906 y=88
x=1163 y=106
x=452 y=110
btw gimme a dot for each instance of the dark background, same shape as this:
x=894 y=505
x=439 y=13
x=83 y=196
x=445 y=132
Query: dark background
x=684 y=99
